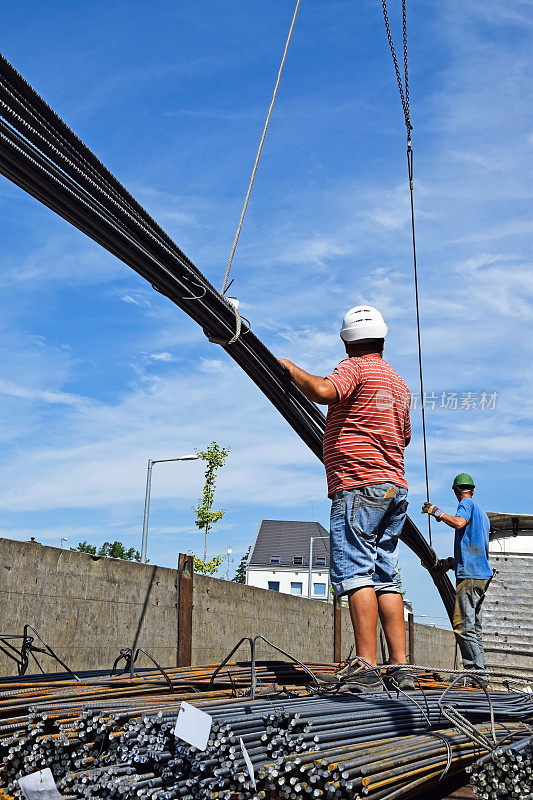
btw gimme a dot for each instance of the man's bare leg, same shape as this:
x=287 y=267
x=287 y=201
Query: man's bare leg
x=364 y=613
x=390 y=605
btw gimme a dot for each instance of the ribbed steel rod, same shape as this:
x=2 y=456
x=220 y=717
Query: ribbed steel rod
x=40 y=153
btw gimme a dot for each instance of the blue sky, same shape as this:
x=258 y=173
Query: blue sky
x=100 y=372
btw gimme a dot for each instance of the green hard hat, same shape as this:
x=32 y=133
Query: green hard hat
x=463 y=479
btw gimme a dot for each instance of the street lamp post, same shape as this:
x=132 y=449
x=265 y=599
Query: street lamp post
x=229 y=551
x=310 y=579
x=151 y=462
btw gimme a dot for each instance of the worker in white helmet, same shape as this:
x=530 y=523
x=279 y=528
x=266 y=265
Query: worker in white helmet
x=367 y=430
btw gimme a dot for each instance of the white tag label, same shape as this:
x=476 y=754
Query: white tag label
x=193 y=726
x=39 y=786
x=248 y=762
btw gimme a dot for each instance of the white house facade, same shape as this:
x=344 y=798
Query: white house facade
x=279 y=559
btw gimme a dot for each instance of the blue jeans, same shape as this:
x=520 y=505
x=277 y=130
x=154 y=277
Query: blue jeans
x=365 y=525
x=469 y=596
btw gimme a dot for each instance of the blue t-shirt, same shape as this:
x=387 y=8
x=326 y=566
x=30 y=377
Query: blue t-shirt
x=471 y=548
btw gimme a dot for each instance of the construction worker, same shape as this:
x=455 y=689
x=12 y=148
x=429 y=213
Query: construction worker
x=367 y=430
x=472 y=569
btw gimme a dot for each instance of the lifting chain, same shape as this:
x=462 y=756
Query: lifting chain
x=403 y=86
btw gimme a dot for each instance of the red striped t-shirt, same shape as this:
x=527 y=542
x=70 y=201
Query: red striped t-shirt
x=367 y=426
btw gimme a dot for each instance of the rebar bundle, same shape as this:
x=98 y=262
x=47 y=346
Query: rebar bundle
x=340 y=746
x=42 y=155
x=388 y=768
x=506 y=773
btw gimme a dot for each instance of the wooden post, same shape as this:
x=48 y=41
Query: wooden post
x=337 y=632
x=411 y=637
x=185 y=595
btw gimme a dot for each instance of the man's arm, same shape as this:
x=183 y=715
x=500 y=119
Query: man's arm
x=454 y=522
x=319 y=390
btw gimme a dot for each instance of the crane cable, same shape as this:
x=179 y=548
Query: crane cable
x=225 y=285
x=403 y=87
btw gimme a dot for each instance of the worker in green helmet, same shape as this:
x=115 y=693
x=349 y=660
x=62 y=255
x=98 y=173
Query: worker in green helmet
x=472 y=569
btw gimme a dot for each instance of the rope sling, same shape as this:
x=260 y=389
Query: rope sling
x=225 y=284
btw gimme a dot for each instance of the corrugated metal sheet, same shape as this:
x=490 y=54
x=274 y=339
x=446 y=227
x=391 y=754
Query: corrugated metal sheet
x=507 y=615
x=512 y=524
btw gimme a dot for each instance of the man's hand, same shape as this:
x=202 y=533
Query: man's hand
x=454 y=522
x=429 y=508
x=442 y=566
x=286 y=363
x=319 y=390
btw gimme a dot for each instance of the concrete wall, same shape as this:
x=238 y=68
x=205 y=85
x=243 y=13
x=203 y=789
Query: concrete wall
x=224 y=612
x=87 y=608
x=435 y=647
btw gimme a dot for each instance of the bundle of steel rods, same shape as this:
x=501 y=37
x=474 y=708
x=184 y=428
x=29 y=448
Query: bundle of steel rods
x=40 y=153
x=22 y=697
x=506 y=773
x=235 y=673
x=125 y=746
x=394 y=767
x=21 y=700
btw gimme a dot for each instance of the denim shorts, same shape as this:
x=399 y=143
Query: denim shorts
x=364 y=529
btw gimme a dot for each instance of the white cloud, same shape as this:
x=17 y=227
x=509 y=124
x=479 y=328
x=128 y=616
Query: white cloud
x=51 y=535
x=65 y=255
x=136 y=299
x=212 y=365
x=161 y=356
x=44 y=396
x=167 y=207
x=103 y=459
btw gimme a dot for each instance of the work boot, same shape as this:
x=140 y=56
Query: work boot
x=352 y=675
x=478 y=682
x=365 y=680
x=401 y=678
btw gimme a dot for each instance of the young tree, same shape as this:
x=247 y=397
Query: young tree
x=399 y=582
x=240 y=573
x=207 y=567
x=215 y=457
x=110 y=550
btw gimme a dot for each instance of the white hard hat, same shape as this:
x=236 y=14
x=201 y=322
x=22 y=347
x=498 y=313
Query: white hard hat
x=361 y=323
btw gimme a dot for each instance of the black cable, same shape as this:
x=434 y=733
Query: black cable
x=420 y=372
x=403 y=87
